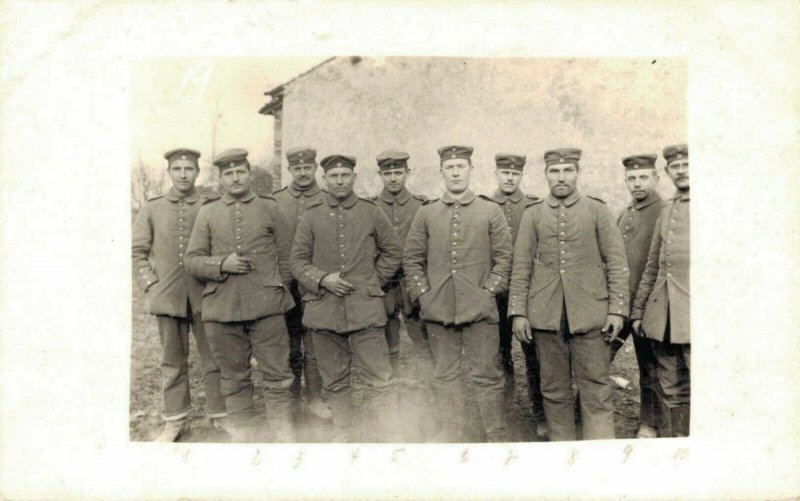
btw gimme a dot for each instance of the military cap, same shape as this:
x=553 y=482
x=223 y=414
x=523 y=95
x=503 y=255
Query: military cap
x=455 y=151
x=233 y=157
x=302 y=155
x=392 y=159
x=562 y=156
x=182 y=154
x=333 y=161
x=636 y=162
x=676 y=152
x=510 y=161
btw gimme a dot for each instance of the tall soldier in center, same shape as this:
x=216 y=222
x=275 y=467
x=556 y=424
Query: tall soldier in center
x=240 y=245
x=400 y=207
x=570 y=282
x=344 y=251
x=514 y=202
x=294 y=200
x=456 y=258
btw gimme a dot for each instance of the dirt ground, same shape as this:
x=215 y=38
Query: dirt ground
x=145 y=395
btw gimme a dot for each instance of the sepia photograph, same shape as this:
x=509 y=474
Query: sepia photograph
x=276 y=327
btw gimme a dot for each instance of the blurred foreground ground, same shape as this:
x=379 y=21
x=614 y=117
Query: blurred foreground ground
x=145 y=395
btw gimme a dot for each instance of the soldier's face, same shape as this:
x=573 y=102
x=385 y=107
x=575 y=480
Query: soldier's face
x=394 y=180
x=235 y=180
x=456 y=172
x=562 y=179
x=508 y=180
x=303 y=175
x=340 y=181
x=183 y=174
x=678 y=171
x=641 y=182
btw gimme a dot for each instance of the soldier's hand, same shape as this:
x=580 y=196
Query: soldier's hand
x=336 y=284
x=521 y=328
x=612 y=328
x=237 y=264
x=637 y=327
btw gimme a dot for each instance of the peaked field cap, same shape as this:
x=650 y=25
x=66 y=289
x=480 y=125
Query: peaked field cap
x=233 y=157
x=301 y=155
x=562 y=156
x=392 y=159
x=338 y=160
x=182 y=154
x=454 y=151
x=676 y=152
x=510 y=161
x=635 y=162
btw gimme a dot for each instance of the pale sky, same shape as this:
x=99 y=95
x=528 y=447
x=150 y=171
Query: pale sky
x=175 y=102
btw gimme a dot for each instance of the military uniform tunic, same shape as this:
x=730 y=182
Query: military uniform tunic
x=252 y=226
x=663 y=294
x=636 y=223
x=295 y=202
x=160 y=239
x=457 y=257
x=345 y=236
x=569 y=252
x=513 y=206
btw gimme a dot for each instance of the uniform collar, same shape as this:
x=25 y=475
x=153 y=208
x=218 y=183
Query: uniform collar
x=467 y=199
x=401 y=198
x=174 y=197
x=652 y=198
x=348 y=202
x=683 y=196
x=310 y=192
x=570 y=200
x=500 y=197
x=228 y=199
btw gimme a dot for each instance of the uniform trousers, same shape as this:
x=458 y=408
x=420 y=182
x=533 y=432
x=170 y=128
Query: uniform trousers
x=650 y=406
x=531 y=361
x=174 y=335
x=415 y=328
x=367 y=350
x=480 y=346
x=590 y=357
x=233 y=343
x=674 y=368
x=302 y=359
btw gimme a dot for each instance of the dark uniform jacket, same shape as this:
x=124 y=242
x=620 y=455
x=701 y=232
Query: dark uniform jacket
x=569 y=251
x=664 y=289
x=160 y=238
x=456 y=258
x=636 y=222
x=294 y=202
x=401 y=211
x=355 y=238
x=251 y=226
x=513 y=206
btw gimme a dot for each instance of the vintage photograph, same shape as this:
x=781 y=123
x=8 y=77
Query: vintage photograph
x=409 y=250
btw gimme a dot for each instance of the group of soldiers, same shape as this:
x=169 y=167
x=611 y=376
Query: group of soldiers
x=308 y=283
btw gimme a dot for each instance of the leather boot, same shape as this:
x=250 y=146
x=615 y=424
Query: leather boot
x=680 y=421
x=341 y=405
x=279 y=418
x=172 y=431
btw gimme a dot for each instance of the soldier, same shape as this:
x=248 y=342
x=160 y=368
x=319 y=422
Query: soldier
x=661 y=308
x=456 y=259
x=240 y=245
x=294 y=200
x=160 y=235
x=344 y=251
x=569 y=282
x=514 y=202
x=636 y=222
x=400 y=206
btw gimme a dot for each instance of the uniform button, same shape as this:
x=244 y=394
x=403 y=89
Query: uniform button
x=341 y=226
x=181 y=220
x=333 y=214
x=562 y=233
x=454 y=252
x=669 y=274
x=562 y=271
x=669 y=264
x=563 y=261
x=563 y=251
x=673 y=220
x=562 y=223
x=627 y=227
x=423 y=290
x=341 y=235
x=180 y=263
x=180 y=237
x=453 y=272
x=669 y=241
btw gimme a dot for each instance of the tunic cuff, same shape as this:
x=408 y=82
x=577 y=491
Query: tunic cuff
x=417 y=286
x=517 y=306
x=146 y=278
x=312 y=279
x=494 y=283
x=637 y=314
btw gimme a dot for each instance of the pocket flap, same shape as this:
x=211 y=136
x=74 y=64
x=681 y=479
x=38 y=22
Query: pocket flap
x=210 y=288
x=374 y=291
x=269 y=281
